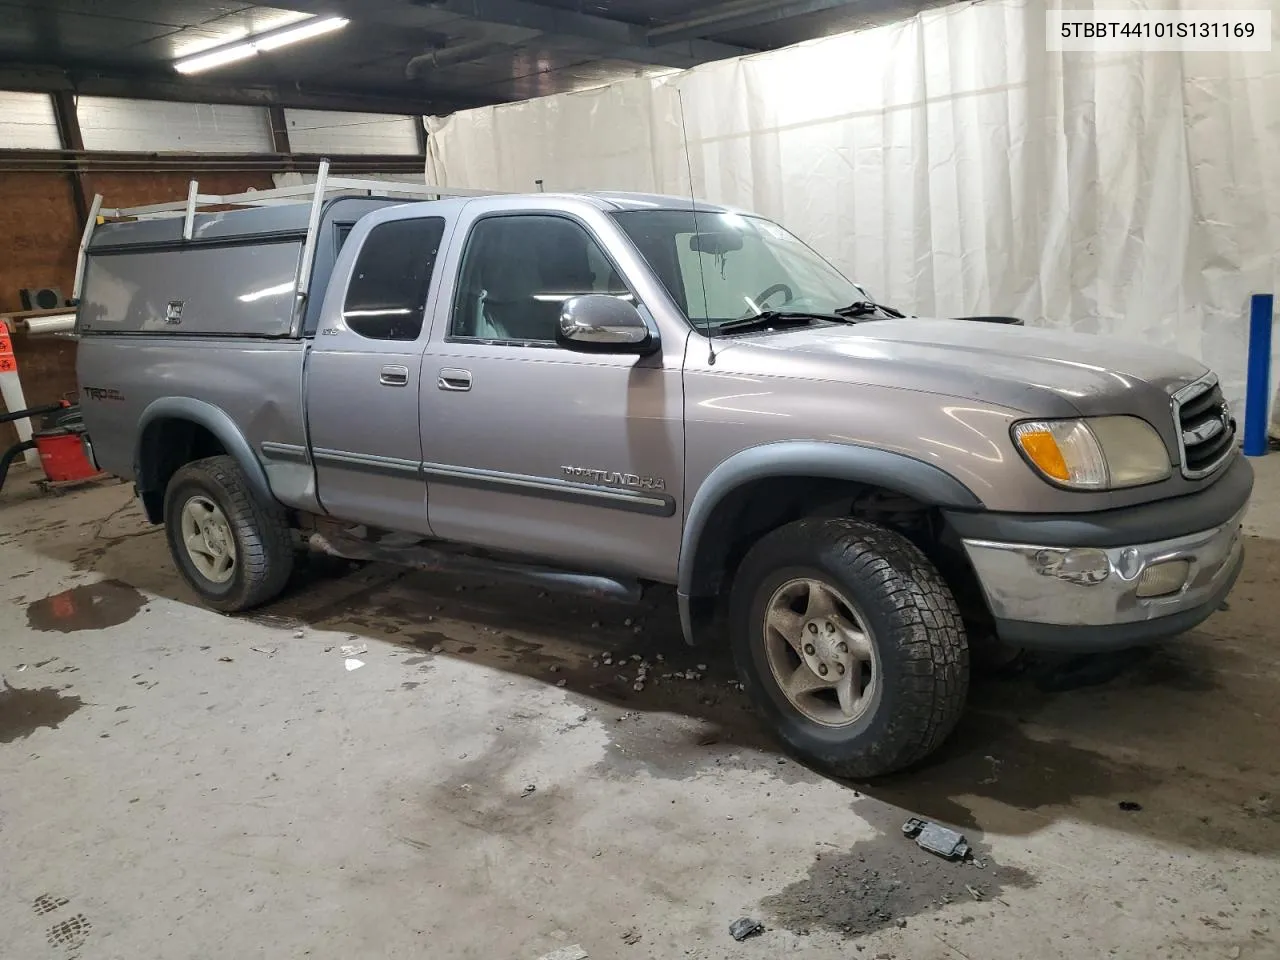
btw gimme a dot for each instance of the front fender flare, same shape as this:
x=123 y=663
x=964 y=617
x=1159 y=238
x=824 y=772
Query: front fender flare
x=808 y=458
x=218 y=422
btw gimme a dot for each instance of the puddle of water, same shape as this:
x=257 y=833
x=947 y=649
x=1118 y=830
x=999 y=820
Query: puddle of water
x=23 y=710
x=274 y=621
x=991 y=756
x=93 y=606
x=566 y=644
x=884 y=881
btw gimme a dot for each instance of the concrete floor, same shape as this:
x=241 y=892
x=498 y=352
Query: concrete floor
x=175 y=783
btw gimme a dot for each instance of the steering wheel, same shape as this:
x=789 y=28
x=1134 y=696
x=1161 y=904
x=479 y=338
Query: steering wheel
x=776 y=288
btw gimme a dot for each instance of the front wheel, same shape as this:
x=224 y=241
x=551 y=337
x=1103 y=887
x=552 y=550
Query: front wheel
x=235 y=551
x=851 y=644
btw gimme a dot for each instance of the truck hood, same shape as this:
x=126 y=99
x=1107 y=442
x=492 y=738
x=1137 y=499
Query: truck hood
x=1040 y=372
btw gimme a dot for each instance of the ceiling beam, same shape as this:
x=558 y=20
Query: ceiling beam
x=738 y=16
x=612 y=38
x=70 y=138
x=144 y=86
x=279 y=129
x=110 y=161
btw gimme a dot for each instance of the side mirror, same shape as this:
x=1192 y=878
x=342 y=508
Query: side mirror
x=596 y=323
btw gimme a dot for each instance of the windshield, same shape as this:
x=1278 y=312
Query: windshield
x=735 y=266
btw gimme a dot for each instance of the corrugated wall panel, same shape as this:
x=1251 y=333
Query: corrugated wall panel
x=27 y=122
x=329 y=131
x=151 y=125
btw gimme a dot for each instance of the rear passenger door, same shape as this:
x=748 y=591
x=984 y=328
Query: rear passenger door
x=363 y=373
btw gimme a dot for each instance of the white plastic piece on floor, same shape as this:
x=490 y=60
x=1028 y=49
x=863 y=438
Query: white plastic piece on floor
x=353 y=649
x=351 y=663
x=566 y=953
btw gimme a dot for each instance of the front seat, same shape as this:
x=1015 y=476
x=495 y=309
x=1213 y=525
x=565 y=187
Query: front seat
x=508 y=310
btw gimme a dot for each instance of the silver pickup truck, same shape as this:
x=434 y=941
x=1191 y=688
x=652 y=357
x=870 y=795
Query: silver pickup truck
x=606 y=391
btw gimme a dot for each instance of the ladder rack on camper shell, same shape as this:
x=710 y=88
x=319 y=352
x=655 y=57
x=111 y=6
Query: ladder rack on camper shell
x=324 y=188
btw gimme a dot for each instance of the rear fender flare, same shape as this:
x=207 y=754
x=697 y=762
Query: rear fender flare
x=218 y=422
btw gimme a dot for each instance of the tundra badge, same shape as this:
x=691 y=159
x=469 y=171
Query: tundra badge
x=614 y=478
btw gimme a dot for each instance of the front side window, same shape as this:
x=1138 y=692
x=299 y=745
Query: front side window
x=516 y=273
x=388 y=289
x=720 y=267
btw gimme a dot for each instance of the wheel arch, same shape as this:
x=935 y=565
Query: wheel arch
x=174 y=431
x=822 y=467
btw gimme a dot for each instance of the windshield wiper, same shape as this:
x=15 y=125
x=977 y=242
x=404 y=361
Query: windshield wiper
x=777 y=318
x=868 y=308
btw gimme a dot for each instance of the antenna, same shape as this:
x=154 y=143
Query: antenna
x=693 y=201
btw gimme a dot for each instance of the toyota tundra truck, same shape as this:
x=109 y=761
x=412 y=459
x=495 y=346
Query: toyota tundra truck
x=603 y=392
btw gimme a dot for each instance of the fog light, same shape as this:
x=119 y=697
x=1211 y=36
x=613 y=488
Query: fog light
x=1077 y=565
x=1161 y=579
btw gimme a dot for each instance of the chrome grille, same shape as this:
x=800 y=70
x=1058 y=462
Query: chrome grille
x=1206 y=431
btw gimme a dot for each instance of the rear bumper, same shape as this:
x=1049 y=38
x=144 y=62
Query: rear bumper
x=1095 y=594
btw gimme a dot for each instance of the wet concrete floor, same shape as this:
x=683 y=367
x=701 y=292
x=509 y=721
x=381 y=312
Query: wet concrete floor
x=511 y=772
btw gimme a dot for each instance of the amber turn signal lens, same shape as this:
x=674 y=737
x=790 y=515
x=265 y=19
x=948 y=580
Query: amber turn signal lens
x=1042 y=449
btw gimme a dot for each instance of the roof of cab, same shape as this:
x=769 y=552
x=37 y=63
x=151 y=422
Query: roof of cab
x=620 y=200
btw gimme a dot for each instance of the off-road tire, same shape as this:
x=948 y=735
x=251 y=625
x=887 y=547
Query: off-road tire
x=264 y=544
x=916 y=630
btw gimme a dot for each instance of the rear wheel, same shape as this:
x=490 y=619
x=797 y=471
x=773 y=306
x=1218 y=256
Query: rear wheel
x=851 y=645
x=235 y=551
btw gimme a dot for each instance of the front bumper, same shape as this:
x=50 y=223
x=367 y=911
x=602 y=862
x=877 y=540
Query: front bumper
x=1087 y=598
x=1071 y=581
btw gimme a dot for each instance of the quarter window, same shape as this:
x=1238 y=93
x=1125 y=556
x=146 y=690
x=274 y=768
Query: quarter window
x=388 y=289
x=517 y=271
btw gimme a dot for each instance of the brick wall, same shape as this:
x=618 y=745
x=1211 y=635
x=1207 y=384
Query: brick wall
x=39 y=239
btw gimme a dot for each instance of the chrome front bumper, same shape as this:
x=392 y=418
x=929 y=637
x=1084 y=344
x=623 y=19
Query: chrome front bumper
x=1031 y=590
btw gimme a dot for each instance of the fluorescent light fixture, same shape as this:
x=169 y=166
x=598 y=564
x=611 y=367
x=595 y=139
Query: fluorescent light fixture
x=255 y=45
x=207 y=61
x=303 y=31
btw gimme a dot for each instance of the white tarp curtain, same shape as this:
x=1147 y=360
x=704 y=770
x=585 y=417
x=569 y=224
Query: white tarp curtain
x=953 y=167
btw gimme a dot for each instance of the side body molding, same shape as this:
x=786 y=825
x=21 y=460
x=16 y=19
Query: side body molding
x=802 y=458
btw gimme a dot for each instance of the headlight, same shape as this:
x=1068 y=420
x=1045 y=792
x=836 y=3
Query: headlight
x=1098 y=453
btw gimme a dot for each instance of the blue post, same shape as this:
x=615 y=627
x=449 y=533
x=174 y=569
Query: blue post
x=1257 y=388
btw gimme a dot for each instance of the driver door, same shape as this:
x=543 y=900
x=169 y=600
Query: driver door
x=530 y=447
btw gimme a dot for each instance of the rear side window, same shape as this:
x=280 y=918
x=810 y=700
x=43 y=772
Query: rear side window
x=341 y=232
x=388 y=289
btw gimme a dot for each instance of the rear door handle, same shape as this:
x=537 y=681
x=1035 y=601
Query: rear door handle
x=453 y=378
x=394 y=375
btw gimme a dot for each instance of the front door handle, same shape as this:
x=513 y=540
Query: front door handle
x=455 y=379
x=394 y=375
